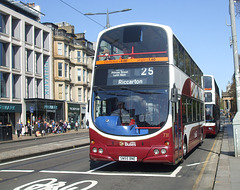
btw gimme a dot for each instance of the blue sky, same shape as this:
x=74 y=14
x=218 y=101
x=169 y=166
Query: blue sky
x=199 y=25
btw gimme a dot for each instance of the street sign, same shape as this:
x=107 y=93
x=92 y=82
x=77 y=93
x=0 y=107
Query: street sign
x=31 y=109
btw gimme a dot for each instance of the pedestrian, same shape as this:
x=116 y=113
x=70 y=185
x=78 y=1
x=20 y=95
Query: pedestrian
x=69 y=127
x=18 y=128
x=35 y=128
x=65 y=126
x=29 y=129
x=76 y=126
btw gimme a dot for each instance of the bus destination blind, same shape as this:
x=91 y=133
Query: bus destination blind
x=130 y=76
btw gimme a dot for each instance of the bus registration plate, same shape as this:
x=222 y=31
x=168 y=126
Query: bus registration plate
x=128 y=158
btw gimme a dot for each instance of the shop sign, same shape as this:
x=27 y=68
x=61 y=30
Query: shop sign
x=46 y=80
x=74 y=108
x=50 y=107
x=10 y=108
x=83 y=109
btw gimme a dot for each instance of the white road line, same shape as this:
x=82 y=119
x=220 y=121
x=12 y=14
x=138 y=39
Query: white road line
x=31 y=158
x=172 y=175
x=195 y=164
x=100 y=167
x=18 y=171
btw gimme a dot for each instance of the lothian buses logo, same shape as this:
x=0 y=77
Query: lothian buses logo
x=127 y=143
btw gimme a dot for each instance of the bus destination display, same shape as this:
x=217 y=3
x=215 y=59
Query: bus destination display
x=130 y=76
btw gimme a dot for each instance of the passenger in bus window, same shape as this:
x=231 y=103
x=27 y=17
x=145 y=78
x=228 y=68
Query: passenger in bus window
x=125 y=54
x=106 y=54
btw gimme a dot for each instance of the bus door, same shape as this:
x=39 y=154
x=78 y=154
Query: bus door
x=177 y=120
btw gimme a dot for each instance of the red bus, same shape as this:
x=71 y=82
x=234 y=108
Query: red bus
x=146 y=96
x=212 y=105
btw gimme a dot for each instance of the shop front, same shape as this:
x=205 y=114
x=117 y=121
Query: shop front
x=73 y=114
x=44 y=110
x=10 y=114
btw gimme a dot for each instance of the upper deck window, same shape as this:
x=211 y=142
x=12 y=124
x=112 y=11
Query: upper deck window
x=207 y=82
x=138 y=41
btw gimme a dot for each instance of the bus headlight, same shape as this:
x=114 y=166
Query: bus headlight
x=163 y=151
x=100 y=150
x=156 y=151
x=94 y=150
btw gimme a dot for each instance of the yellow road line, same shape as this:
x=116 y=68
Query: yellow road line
x=204 y=167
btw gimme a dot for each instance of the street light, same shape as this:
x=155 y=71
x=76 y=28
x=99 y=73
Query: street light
x=107 y=13
x=236 y=120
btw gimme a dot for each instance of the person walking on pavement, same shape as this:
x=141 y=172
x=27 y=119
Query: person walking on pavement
x=76 y=126
x=18 y=128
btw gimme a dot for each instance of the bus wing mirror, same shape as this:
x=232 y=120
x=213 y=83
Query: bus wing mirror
x=174 y=94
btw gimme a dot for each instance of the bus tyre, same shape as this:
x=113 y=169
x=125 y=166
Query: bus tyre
x=201 y=139
x=184 y=149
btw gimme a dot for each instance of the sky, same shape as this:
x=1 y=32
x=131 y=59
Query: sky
x=201 y=26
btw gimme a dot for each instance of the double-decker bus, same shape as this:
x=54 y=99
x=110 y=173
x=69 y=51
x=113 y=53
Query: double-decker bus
x=212 y=105
x=146 y=99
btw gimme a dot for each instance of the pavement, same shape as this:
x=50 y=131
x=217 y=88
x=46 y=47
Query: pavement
x=228 y=171
x=227 y=174
x=44 y=148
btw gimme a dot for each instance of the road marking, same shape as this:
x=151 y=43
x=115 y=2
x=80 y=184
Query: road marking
x=54 y=153
x=172 y=175
x=18 y=171
x=100 y=167
x=195 y=164
x=92 y=172
x=204 y=167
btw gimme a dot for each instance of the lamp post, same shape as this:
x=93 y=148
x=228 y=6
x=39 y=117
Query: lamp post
x=107 y=13
x=236 y=120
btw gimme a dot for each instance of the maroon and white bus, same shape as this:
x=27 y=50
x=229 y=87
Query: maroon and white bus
x=146 y=98
x=212 y=105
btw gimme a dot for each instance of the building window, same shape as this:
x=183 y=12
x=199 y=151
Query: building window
x=87 y=76
x=60 y=91
x=66 y=70
x=38 y=63
x=16 y=91
x=83 y=57
x=46 y=40
x=59 y=48
x=79 y=94
x=4 y=85
x=71 y=89
x=60 y=69
x=65 y=50
x=38 y=88
x=15 y=28
x=16 y=57
x=29 y=89
x=37 y=35
x=29 y=60
x=66 y=93
x=3 y=23
x=4 y=54
x=28 y=33
x=85 y=95
x=79 y=74
x=78 y=56
x=70 y=73
x=84 y=75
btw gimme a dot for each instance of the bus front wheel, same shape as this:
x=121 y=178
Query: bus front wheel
x=184 y=149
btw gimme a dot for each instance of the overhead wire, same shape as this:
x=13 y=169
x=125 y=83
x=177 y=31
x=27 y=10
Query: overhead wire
x=81 y=13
